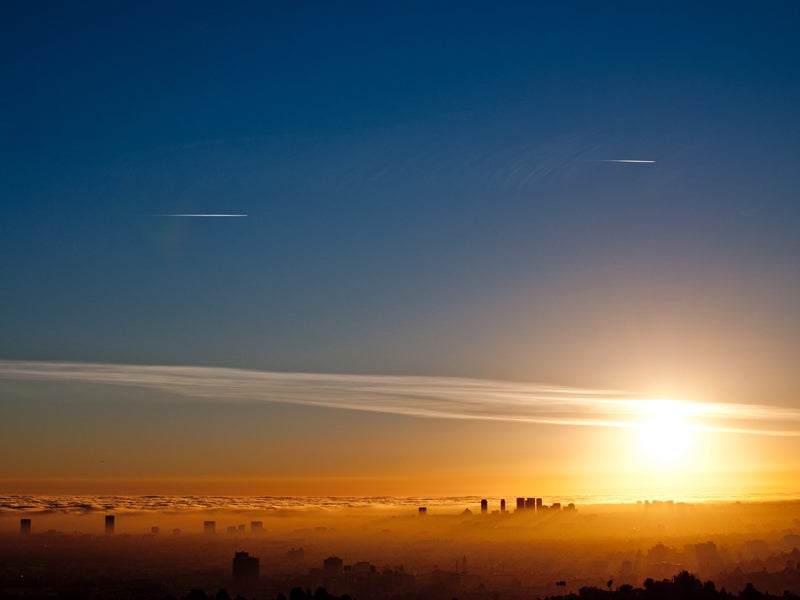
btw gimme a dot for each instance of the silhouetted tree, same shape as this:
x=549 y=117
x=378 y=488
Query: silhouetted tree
x=222 y=594
x=686 y=586
x=592 y=593
x=297 y=594
x=750 y=593
x=625 y=592
x=320 y=593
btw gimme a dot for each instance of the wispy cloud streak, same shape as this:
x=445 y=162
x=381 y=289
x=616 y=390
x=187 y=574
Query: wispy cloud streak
x=425 y=397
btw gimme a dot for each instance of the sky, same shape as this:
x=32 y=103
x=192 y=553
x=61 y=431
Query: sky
x=428 y=190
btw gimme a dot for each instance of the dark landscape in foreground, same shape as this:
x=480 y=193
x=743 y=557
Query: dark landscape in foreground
x=643 y=551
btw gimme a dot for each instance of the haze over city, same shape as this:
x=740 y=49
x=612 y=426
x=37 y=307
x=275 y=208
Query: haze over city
x=320 y=265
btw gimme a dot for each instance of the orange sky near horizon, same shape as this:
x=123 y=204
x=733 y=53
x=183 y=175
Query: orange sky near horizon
x=93 y=439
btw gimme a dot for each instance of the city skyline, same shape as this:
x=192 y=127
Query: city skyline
x=397 y=552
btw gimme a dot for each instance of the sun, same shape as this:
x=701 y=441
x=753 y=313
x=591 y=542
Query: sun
x=665 y=433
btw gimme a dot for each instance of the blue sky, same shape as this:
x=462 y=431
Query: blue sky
x=425 y=188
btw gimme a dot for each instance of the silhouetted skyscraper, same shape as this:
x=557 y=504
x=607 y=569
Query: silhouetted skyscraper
x=503 y=505
x=209 y=527
x=520 y=503
x=256 y=527
x=24 y=526
x=530 y=503
x=245 y=570
x=484 y=506
x=109 y=524
x=423 y=510
x=538 y=504
x=333 y=565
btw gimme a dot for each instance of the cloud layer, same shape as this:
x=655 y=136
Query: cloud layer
x=425 y=397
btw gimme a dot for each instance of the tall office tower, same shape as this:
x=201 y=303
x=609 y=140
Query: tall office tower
x=24 y=526
x=256 y=527
x=209 y=527
x=530 y=503
x=538 y=504
x=333 y=565
x=109 y=524
x=245 y=570
x=503 y=505
x=484 y=506
x=520 y=503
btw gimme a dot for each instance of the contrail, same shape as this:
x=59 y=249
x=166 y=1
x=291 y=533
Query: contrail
x=628 y=160
x=202 y=215
x=412 y=396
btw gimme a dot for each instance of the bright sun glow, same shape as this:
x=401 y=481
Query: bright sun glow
x=665 y=433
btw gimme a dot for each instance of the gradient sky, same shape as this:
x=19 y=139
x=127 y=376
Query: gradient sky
x=428 y=193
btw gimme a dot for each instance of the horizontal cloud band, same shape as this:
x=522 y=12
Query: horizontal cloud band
x=431 y=397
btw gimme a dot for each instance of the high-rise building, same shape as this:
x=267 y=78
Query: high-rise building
x=363 y=567
x=24 y=526
x=333 y=565
x=245 y=570
x=530 y=503
x=503 y=505
x=109 y=524
x=256 y=527
x=484 y=506
x=520 y=503
x=209 y=527
x=423 y=510
x=538 y=504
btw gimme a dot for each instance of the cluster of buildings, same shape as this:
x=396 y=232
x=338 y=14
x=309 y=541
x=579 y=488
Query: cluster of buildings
x=523 y=505
x=256 y=527
x=527 y=505
x=360 y=578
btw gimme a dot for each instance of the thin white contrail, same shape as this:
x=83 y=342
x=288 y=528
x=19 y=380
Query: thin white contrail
x=213 y=215
x=628 y=160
